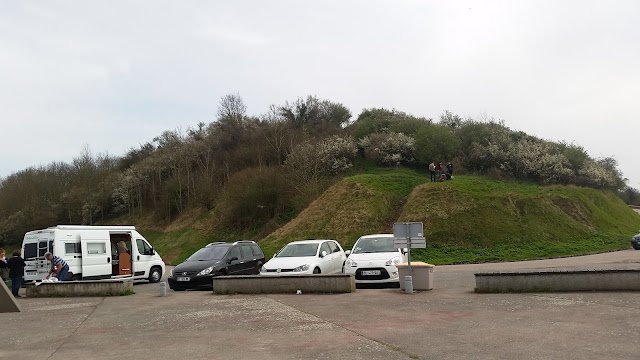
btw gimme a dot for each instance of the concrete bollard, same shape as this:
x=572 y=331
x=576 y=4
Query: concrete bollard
x=408 y=284
x=163 y=289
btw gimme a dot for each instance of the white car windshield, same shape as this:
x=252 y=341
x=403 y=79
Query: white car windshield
x=374 y=245
x=297 y=250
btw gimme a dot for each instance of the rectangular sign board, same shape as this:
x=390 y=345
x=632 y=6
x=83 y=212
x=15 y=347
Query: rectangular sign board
x=408 y=235
x=407 y=229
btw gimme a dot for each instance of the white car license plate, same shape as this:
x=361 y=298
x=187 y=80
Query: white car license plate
x=183 y=279
x=370 y=272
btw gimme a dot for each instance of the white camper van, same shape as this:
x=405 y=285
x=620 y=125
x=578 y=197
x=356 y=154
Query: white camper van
x=92 y=252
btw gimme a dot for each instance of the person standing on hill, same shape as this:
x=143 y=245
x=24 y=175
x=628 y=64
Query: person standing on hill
x=450 y=169
x=432 y=170
x=16 y=272
x=439 y=170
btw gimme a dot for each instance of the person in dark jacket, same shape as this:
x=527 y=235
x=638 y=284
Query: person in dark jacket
x=16 y=272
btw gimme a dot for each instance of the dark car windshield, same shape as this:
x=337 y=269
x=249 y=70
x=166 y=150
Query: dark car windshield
x=374 y=245
x=296 y=250
x=209 y=253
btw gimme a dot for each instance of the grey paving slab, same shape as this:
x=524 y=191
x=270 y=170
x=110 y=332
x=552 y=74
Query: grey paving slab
x=450 y=322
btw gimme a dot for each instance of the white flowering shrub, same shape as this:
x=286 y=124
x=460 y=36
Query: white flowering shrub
x=337 y=153
x=332 y=155
x=389 y=148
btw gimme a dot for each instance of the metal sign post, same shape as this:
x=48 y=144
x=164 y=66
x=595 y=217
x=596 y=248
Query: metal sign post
x=409 y=235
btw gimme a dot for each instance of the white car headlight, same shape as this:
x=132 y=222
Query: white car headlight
x=393 y=261
x=350 y=262
x=263 y=269
x=304 y=267
x=206 y=271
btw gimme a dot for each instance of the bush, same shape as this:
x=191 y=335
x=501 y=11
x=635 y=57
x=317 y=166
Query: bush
x=254 y=196
x=389 y=149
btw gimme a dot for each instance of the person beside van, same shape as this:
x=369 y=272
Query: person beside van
x=16 y=272
x=4 y=269
x=59 y=267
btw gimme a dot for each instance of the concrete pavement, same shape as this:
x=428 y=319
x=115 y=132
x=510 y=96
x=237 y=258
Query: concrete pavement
x=450 y=322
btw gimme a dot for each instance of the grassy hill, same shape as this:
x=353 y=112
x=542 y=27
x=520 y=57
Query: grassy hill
x=469 y=219
x=361 y=204
x=474 y=219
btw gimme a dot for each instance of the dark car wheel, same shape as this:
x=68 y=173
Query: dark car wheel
x=635 y=244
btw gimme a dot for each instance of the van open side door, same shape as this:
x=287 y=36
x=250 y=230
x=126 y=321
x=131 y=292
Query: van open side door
x=96 y=255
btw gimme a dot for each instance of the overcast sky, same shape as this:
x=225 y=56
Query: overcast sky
x=114 y=74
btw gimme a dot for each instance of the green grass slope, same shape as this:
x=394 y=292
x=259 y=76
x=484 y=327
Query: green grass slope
x=361 y=204
x=474 y=219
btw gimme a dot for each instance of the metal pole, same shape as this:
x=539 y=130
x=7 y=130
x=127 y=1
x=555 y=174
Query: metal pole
x=409 y=249
x=408 y=280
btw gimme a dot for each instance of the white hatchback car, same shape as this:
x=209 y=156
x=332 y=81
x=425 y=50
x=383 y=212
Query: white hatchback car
x=307 y=257
x=374 y=259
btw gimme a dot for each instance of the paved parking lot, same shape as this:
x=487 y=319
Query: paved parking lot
x=450 y=322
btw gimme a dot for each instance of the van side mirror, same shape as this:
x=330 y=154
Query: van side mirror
x=323 y=254
x=348 y=252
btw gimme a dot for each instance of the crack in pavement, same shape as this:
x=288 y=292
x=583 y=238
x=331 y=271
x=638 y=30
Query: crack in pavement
x=76 y=329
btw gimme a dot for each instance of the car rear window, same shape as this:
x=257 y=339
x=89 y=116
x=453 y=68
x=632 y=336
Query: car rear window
x=257 y=251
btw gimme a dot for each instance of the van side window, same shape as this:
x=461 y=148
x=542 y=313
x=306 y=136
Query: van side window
x=95 y=248
x=143 y=247
x=72 y=248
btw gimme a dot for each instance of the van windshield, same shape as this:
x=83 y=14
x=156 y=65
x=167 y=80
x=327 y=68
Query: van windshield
x=209 y=253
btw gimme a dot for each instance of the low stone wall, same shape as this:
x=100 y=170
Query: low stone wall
x=558 y=281
x=81 y=288
x=284 y=284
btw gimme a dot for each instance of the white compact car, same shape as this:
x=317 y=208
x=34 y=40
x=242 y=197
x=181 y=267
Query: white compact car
x=374 y=259
x=307 y=257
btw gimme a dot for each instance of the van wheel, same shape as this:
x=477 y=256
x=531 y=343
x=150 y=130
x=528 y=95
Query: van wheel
x=155 y=274
x=316 y=271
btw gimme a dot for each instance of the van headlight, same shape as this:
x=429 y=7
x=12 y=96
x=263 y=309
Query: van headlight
x=304 y=267
x=350 y=262
x=206 y=271
x=393 y=261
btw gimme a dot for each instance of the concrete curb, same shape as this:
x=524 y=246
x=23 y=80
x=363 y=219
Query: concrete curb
x=558 y=281
x=284 y=284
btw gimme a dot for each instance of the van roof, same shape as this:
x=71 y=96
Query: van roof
x=88 y=227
